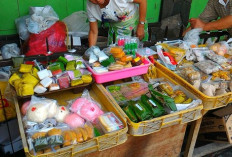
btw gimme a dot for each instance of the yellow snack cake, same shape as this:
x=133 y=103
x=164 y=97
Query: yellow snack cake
x=86 y=78
x=76 y=82
x=25 y=68
x=14 y=77
x=26 y=89
x=34 y=72
x=29 y=79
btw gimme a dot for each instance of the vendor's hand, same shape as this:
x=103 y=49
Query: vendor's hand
x=197 y=23
x=140 y=31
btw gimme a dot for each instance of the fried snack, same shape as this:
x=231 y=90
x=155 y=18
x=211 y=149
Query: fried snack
x=89 y=130
x=79 y=136
x=54 y=132
x=69 y=137
x=179 y=99
x=126 y=58
x=84 y=134
x=166 y=88
x=179 y=92
x=113 y=67
x=47 y=150
x=96 y=64
x=120 y=62
x=189 y=100
x=129 y=65
x=38 y=135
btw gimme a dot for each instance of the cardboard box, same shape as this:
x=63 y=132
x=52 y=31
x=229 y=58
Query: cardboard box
x=219 y=127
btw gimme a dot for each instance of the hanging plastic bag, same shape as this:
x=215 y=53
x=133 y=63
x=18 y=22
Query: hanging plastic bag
x=41 y=19
x=77 y=23
x=22 y=27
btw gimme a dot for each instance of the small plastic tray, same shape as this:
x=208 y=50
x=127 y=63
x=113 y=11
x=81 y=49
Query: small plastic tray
x=119 y=74
x=129 y=92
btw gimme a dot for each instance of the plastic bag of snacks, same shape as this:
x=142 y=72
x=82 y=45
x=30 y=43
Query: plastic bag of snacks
x=208 y=66
x=176 y=52
x=109 y=122
x=86 y=107
x=216 y=58
x=40 y=109
x=220 y=48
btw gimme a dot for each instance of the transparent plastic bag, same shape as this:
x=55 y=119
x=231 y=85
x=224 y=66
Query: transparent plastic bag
x=109 y=122
x=10 y=50
x=78 y=22
x=86 y=107
x=216 y=58
x=40 y=109
x=41 y=19
x=207 y=66
x=200 y=53
x=192 y=37
x=220 y=48
x=22 y=27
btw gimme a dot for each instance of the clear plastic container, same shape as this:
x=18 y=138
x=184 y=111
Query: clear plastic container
x=109 y=122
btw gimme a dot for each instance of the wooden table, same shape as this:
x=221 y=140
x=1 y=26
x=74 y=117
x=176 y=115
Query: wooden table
x=165 y=143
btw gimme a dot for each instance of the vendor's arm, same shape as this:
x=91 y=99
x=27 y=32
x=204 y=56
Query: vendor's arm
x=142 y=17
x=223 y=23
x=93 y=33
x=207 y=15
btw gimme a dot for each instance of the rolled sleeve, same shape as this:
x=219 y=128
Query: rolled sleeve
x=209 y=12
x=89 y=13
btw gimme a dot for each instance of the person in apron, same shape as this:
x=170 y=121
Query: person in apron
x=123 y=16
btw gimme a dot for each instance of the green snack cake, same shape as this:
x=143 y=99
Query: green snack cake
x=71 y=65
x=108 y=61
x=153 y=105
x=62 y=59
x=130 y=113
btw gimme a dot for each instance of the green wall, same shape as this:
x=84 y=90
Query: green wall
x=197 y=7
x=12 y=9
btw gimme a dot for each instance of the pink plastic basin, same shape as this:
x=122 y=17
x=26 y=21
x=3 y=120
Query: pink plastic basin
x=119 y=74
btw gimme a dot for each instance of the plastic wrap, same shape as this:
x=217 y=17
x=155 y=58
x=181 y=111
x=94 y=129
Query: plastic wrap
x=200 y=53
x=141 y=110
x=61 y=113
x=192 y=37
x=55 y=137
x=209 y=89
x=168 y=101
x=109 y=122
x=153 y=105
x=86 y=107
x=40 y=109
x=74 y=120
x=216 y=58
x=70 y=138
x=220 y=48
x=207 y=66
x=128 y=91
x=130 y=113
x=55 y=68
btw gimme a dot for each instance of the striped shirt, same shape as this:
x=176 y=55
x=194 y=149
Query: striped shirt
x=214 y=9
